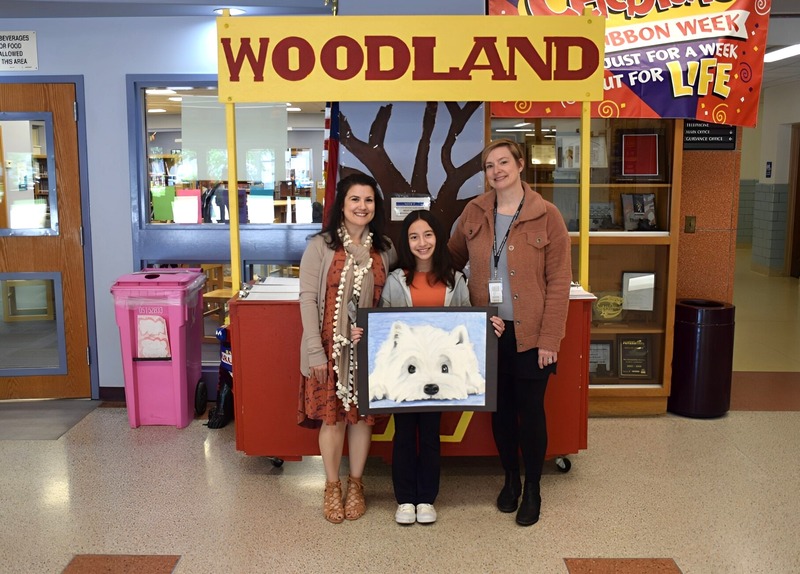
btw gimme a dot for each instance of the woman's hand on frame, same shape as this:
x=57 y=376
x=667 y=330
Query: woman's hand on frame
x=498 y=324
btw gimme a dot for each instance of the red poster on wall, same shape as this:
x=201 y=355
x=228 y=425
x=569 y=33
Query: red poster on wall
x=639 y=155
x=697 y=60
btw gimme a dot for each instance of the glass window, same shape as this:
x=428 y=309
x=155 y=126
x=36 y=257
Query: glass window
x=31 y=325
x=279 y=164
x=27 y=174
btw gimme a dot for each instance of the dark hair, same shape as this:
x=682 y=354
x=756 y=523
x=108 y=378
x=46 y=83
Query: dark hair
x=442 y=265
x=336 y=216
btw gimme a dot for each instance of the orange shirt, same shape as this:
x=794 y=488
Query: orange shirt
x=425 y=295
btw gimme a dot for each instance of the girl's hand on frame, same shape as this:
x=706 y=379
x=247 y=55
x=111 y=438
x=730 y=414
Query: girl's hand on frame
x=356 y=333
x=498 y=324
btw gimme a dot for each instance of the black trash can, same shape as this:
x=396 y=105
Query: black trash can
x=702 y=358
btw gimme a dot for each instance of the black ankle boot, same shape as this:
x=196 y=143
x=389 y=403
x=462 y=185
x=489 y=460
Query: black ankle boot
x=508 y=498
x=528 y=513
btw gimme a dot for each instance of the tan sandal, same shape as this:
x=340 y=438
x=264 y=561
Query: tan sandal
x=355 y=505
x=332 y=507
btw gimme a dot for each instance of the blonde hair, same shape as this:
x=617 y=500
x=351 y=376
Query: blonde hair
x=513 y=147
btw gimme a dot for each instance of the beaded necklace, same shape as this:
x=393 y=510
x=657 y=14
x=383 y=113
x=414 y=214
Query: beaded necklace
x=344 y=316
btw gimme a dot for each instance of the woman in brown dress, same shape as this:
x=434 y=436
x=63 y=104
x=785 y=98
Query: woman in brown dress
x=343 y=268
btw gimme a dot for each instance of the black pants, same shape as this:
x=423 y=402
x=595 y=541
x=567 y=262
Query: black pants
x=519 y=422
x=416 y=469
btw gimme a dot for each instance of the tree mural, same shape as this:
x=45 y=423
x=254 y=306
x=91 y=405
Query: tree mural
x=372 y=153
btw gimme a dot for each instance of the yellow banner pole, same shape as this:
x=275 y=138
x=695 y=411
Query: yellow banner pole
x=233 y=196
x=583 y=226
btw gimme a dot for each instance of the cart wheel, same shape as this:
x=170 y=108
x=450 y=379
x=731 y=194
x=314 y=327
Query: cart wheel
x=200 y=398
x=563 y=464
x=276 y=462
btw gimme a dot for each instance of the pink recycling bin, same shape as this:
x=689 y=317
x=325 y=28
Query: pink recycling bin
x=160 y=317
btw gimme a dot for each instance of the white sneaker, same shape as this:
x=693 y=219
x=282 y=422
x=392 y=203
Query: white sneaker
x=405 y=514
x=426 y=513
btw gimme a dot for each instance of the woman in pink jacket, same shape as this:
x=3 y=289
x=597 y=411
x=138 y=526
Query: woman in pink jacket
x=518 y=250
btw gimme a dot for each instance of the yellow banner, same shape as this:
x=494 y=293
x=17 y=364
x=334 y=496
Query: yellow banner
x=410 y=58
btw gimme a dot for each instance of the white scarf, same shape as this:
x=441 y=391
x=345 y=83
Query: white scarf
x=355 y=280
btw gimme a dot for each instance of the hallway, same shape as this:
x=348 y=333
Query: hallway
x=767 y=334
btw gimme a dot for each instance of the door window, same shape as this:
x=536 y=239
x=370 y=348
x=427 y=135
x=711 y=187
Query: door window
x=27 y=175
x=31 y=325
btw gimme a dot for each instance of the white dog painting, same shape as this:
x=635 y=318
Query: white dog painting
x=423 y=363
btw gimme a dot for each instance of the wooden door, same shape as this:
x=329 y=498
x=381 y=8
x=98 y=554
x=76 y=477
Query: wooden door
x=60 y=253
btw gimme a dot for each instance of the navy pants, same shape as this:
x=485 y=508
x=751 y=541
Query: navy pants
x=416 y=457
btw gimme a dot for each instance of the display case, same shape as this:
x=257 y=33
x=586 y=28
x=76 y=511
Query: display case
x=633 y=233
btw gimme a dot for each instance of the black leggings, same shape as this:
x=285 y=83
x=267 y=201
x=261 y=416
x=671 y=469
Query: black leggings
x=519 y=422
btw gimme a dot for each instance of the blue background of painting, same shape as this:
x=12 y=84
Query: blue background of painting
x=475 y=322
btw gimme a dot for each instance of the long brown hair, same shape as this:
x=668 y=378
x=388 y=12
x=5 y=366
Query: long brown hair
x=441 y=265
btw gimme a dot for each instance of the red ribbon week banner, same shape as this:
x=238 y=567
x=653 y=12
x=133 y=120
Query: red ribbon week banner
x=692 y=59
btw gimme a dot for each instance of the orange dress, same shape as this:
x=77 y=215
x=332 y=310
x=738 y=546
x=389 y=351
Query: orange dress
x=318 y=401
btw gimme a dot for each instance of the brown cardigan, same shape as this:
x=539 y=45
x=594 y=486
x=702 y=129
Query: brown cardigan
x=314 y=267
x=539 y=265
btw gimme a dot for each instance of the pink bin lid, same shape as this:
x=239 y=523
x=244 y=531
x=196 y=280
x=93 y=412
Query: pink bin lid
x=182 y=278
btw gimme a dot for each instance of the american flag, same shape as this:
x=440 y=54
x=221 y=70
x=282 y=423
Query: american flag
x=331 y=156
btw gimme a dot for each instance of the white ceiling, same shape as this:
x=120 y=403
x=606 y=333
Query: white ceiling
x=784 y=26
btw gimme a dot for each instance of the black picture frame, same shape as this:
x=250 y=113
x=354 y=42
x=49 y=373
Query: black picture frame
x=400 y=338
x=634 y=356
x=601 y=358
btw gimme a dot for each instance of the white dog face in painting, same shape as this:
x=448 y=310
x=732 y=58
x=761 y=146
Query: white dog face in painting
x=423 y=363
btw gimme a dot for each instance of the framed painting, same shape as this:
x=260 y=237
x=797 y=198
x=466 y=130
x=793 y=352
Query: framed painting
x=640 y=155
x=419 y=359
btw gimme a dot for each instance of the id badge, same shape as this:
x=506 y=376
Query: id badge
x=495 y=291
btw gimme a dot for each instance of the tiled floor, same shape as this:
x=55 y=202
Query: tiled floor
x=715 y=496
x=767 y=332
x=711 y=496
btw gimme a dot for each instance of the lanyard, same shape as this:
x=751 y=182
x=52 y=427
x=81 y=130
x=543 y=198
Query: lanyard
x=495 y=250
